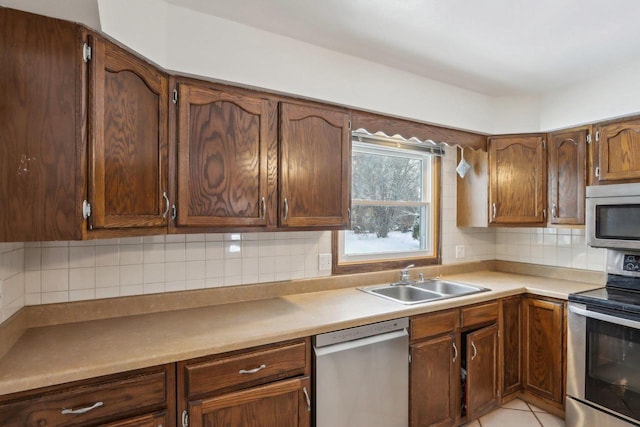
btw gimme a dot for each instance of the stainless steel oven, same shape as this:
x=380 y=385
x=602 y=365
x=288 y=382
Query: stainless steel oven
x=603 y=348
x=613 y=216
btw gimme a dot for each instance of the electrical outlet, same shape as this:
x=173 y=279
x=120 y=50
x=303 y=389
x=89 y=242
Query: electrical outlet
x=459 y=251
x=324 y=262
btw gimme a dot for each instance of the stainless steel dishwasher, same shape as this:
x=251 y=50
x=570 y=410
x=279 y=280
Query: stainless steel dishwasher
x=362 y=376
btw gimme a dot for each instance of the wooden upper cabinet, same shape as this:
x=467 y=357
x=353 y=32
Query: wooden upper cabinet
x=567 y=160
x=517 y=180
x=314 y=167
x=128 y=112
x=226 y=149
x=40 y=142
x=619 y=151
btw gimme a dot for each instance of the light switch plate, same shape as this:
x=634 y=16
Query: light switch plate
x=324 y=261
x=459 y=251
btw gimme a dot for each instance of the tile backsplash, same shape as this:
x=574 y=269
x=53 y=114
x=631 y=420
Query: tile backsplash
x=73 y=271
x=11 y=279
x=51 y=272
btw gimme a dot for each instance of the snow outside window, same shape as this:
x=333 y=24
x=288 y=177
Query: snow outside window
x=392 y=205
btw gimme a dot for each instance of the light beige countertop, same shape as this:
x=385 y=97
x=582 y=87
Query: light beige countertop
x=56 y=354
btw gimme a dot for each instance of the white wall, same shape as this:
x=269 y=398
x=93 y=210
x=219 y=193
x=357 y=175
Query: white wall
x=204 y=45
x=611 y=95
x=513 y=114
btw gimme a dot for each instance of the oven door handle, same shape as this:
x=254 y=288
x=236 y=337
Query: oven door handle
x=605 y=317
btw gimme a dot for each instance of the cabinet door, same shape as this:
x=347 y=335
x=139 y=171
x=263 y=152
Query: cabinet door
x=567 y=155
x=511 y=345
x=482 y=371
x=128 y=109
x=434 y=383
x=281 y=404
x=314 y=167
x=40 y=143
x=517 y=180
x=224 y=162
x=619 y=149
x=543 y=332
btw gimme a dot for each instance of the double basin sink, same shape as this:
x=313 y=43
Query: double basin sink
x=409 y=292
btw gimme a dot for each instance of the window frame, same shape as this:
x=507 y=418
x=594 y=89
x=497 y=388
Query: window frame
x=433 y=211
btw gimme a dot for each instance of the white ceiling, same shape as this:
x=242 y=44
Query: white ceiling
x=496 y=47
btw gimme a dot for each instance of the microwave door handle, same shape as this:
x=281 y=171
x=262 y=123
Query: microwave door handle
x=605 y=317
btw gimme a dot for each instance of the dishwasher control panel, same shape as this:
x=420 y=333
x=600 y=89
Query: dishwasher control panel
x=359 y=332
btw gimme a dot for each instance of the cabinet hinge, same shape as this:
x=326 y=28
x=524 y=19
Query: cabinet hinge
x=597 y=171
x=588 y=138
x=544 y=214
x=597 y=136
x=86 y=209
x=185 y=418
x=86 y=52
x=409 y=357
x=349 y=124
x=175 y=96
x=544 y=143
x=174 y=212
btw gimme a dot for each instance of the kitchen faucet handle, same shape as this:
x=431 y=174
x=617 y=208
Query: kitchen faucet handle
x=404 y=273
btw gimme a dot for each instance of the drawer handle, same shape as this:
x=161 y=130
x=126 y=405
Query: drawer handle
x=82 y=410
x=252 y=371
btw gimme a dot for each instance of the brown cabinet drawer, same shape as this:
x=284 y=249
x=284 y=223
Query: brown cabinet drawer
x=433 y=324
x=245 y=369
x=114 y=399
x=479 y=314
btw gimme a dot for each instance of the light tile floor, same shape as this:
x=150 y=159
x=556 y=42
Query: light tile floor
x=518 y=413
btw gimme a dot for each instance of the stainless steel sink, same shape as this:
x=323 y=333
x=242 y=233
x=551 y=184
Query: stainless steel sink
x=420 y=292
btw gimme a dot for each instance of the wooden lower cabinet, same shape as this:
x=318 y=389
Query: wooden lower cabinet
x=445 y=345
x=435 y=365
x=482 y=371
x=267 y=386
x=281 y=404
x=511 y=343
x=544 y=341
x=142 y=398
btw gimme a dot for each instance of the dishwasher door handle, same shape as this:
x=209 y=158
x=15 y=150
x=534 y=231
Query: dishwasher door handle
x=360 y=342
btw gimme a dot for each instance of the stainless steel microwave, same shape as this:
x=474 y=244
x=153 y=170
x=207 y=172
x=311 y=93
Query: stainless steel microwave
x=613 y=216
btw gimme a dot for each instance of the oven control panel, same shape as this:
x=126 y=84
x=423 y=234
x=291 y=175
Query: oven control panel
x=631 y=263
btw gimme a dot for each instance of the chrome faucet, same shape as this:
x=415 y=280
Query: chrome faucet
x=404 y=274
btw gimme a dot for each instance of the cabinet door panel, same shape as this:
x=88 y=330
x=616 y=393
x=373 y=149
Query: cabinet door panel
x=567 y=159
x=517 y=180
x=511 y=345
x=542 y=350
x=434 y=382
x=314 y=166
x=281 y=404
x=620 y=151
x=128 y=140
x=223 y=163
x=482 y=371
x=40 y=143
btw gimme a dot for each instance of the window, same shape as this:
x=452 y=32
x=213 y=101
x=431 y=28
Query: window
x=394 y=207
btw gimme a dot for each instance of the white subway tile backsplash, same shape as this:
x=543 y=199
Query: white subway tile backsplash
x=49 y=272
x=55 y=257
x=131 y=275
x=55 y=280
x=82 y=278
